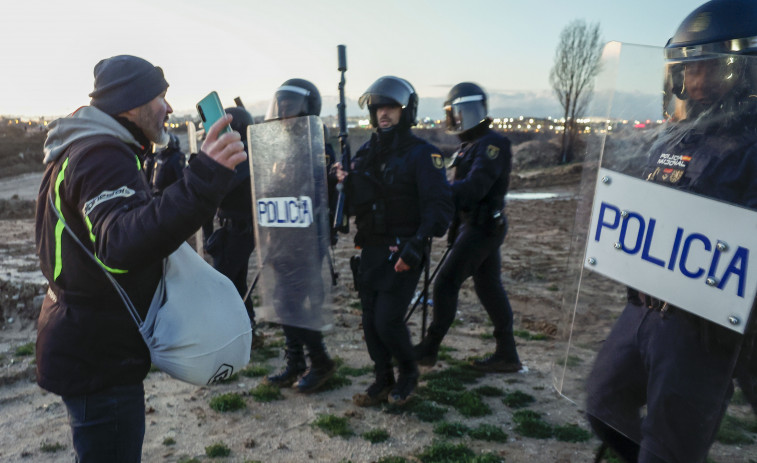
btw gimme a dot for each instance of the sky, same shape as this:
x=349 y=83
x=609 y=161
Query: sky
x=247 y=48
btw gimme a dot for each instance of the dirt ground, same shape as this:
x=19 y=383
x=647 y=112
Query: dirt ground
x=538 y=270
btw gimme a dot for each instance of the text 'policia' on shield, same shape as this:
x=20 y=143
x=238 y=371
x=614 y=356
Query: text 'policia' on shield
x=285 y=212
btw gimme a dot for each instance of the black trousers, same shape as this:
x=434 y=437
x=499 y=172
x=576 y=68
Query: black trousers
x=475 y=253
x=385 y=296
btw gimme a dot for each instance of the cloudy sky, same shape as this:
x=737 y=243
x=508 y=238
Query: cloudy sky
x=248 y=48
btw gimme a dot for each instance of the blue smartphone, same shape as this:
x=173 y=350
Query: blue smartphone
x=210 y=110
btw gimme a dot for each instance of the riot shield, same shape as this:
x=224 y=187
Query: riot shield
x=290 y=208
x=663 y=275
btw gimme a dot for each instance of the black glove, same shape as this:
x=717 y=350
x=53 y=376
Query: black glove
x=413 y=251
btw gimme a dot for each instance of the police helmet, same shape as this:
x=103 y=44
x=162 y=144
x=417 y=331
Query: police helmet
x=717 y=35
x=295 y=97
x=391 y=91
x=173 y=143
x=465 y=107
x=241 y=120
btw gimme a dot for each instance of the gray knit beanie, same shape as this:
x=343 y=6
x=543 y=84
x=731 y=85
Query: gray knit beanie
x=125 y=82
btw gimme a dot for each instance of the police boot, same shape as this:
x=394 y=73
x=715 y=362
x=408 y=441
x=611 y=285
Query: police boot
x=406 y=383
x=504 y=360
x=427 y=351
x=295 y=366
x=377 y=392
x=322 y=368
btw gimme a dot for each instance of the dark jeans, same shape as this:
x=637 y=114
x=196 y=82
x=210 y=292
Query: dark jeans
x=108 y=426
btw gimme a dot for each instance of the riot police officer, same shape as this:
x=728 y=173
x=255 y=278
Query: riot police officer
x=232 y=243
x=398 y=193
x=482 y=172
x=166 y=166
x=657 y=355
x=295 y=98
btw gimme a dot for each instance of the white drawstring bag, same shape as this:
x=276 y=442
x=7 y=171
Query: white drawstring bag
x=197 y=328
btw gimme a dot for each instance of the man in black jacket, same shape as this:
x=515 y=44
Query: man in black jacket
x=398 y=193
x=482 y=174
x=89 y=350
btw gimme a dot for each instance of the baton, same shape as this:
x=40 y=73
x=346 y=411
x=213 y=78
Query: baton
x=433 y=275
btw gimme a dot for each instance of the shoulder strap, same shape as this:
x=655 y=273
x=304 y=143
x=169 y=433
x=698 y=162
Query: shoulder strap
x=119 y=289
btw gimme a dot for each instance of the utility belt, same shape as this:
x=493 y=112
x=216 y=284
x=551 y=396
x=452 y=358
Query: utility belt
x=382 y=240
x=484 y=216
x=655 y=304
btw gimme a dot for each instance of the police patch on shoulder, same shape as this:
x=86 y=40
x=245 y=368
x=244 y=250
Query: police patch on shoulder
x=492 y=152
x=437 y=160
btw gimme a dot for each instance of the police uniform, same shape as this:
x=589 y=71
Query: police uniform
x=482 y=172
x=399 y=196
x=677 y=364
x=166 y=166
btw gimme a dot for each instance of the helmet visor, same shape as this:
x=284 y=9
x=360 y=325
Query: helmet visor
x=464 y=113
x=707 y=50
x=387 y=91
x=288 y=101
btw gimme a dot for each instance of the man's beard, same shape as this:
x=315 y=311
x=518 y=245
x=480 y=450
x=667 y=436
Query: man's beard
x=163 y=138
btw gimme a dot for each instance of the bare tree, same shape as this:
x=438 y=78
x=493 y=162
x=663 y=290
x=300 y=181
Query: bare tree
x=572 y=76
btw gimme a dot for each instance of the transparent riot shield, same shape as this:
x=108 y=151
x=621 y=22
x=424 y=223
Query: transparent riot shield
x=662 y=279
x=290 y=208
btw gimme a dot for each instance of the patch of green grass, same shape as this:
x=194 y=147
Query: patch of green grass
x=553 y=287
x=374 y=436
x=469 y=404
x=517 y=399
x=228 y=402
x=217 y=450
x=186 y=459
x=529 y=336
x=47 y=447
x=486 y=336
x=489 y=433
x=571 y=433
x=337 y=381
x=465 y=373
x=153 y=368
x=263 y=354
x=445 y=452
x=733 y=431
x=489 y=391
x=333 y=425
x=255 y=371
x=530 y=424
x=426 y=411
x=276 y=343
x=169 y=441
x=25 y=350
x=354 y=372
x=444 y=353
x=447 y=429
x=266 y=393
x=356 y=305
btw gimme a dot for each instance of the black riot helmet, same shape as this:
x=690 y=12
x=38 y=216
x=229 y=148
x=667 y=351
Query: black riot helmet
x=465 y=107
x=391 y=91
x=295 y=97
x=714 y=38
x=241 y=120
x=173 y=144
